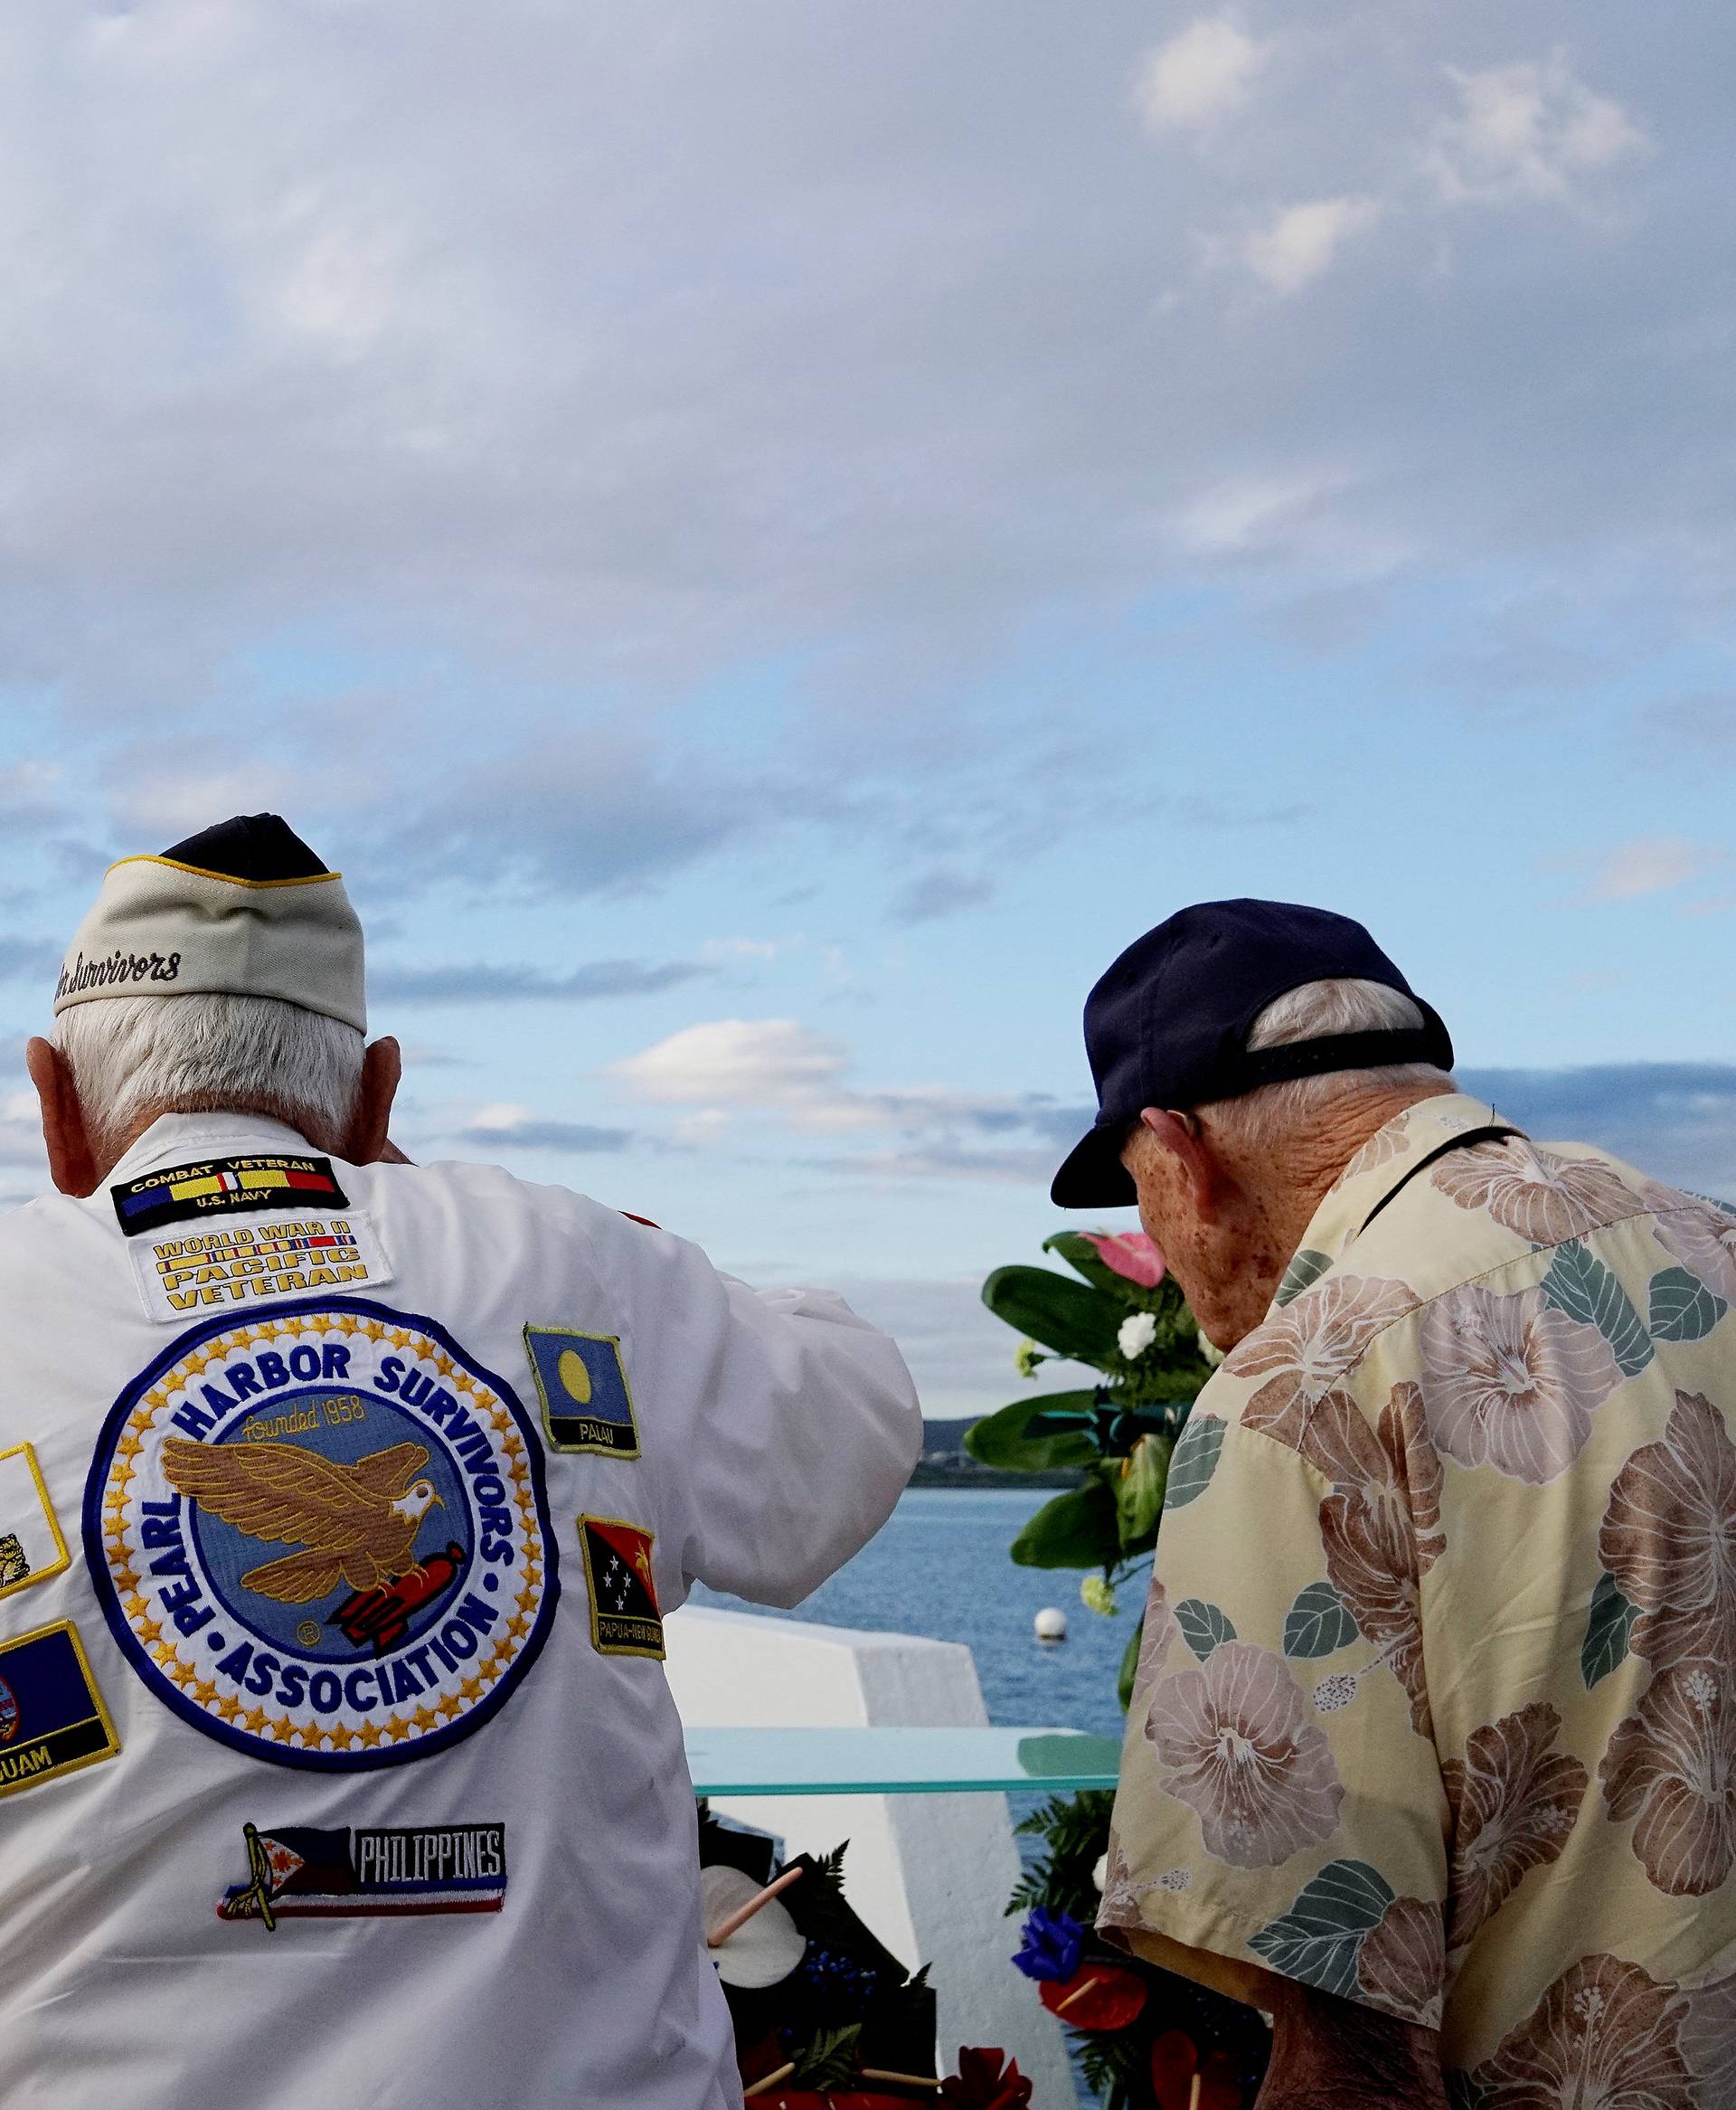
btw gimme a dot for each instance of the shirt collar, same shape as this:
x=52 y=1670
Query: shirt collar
x=1390 y=1156
x=199 y=1135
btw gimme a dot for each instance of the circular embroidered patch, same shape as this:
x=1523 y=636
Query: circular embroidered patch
x=322 y=1535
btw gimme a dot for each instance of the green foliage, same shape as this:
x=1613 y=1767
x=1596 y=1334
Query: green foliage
x=1204 y=1627
x=1075 y=1530
x=1115 y=2065
x=1139 y=1493
x=1317 y=1623
x=1305 y=1268
x=1066 y=1316
x=830 y=2060
x=1608 y=1627
x=1075 y=1833
x=1682 y=1308
x=1196 y=1460
x=1129 y=1665
x=1578 y=1283
x=1003 y=1439
x=1319 y=1939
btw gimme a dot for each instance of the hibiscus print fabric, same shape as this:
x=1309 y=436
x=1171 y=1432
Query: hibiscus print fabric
x=1436 y=1701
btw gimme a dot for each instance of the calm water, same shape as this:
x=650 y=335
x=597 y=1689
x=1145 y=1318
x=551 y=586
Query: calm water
x=941 y=1568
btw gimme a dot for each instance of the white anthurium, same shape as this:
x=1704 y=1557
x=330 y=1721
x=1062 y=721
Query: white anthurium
x=1100 y=1873
x=1136 y=1333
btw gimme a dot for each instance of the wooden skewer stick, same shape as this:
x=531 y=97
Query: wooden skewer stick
x=1078 y=1992
x=744 y=1913
x=904 y=2080
x=1194 y=2092
x=771 y=2080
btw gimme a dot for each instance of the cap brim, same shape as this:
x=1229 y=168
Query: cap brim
x=1093 y=1176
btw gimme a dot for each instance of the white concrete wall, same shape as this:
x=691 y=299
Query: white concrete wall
x=930 y=1874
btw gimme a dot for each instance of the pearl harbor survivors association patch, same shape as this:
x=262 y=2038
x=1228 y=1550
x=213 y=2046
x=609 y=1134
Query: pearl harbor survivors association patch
x=321 y=1535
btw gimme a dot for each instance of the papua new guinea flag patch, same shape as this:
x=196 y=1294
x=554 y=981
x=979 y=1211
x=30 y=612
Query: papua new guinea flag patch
x=625 y=1619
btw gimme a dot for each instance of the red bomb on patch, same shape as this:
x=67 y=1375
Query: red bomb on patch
x=322 y=1537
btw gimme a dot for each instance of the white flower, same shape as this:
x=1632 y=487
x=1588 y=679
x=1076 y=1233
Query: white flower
x=1136 y=1334
x=1213 y=1356
x=1100 y=1873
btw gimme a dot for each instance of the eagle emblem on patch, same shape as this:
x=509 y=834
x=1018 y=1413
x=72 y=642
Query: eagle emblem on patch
x=323 y=1536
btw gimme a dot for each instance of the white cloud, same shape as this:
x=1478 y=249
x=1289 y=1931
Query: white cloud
x=1300 y=242
x=1529 y=130
x=1650 y=865
x=1200 y=74
x=739 y=1062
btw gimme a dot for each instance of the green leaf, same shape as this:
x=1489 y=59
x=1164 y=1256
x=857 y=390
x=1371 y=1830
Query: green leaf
x=1306 y=1267
x=1319 y=1938
x=1607 y=1630
x=1579 y=1284
x=1195 y=1459
x=1203 y=1626
x=1139 y=1493
x=1682 y=1306
x=1063 y=1315
x=830 y=2060
x=1129 y=1664
x=1000 y=1439
x=1318 y=1623
x=1080 y=1253
x=1075 y=1530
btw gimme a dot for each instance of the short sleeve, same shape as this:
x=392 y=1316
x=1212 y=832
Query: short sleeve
x=781 y=1428
x=1281 y=1808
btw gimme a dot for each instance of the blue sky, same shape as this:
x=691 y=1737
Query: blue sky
x=767 y=552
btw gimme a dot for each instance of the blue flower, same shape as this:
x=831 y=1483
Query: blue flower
x=1050 y=1944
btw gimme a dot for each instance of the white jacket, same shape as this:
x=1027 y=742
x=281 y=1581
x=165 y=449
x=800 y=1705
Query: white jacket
x=372 y=1675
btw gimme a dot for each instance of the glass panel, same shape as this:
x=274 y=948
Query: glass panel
x=896 y=1762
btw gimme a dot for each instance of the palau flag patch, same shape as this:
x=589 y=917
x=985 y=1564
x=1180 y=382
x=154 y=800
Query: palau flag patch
x=625 y=1619
x=297 y=1872
x=581 y=1382
x=219 y=1187
x=52 y=1716
x=30 y=1547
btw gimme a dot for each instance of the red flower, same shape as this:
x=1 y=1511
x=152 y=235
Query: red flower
x=1098 y=1997
x=1131 y=1253
x=987 y=2079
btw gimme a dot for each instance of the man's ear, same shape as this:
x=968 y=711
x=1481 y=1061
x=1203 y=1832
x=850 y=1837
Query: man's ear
x=72 y=1162
x=382 y=1068
x=1180 y=1134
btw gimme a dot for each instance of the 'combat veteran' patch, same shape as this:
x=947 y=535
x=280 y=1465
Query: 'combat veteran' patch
x=322 y=1537
x=625 y=1619
x=236 y=1264
x=30 y=1547
x=581 y=1382
x=217 y=1187
x=52 y=1716
x=295 y=1872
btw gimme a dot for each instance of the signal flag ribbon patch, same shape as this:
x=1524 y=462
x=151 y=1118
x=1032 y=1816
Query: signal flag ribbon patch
x=625 y=1619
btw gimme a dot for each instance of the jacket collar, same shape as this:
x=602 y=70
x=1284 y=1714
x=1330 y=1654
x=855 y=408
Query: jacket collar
x=203 y=1135
x=1392 y=1156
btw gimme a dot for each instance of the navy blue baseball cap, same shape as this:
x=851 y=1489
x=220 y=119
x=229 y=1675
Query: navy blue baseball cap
x=1167 y=1024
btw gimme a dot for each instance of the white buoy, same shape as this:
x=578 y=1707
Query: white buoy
x=1050 y=1623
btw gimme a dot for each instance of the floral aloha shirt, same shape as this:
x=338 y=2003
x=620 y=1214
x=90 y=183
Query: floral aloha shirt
x=1435 y=1706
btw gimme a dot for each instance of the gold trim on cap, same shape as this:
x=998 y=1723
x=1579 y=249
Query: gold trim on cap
x=228 y=878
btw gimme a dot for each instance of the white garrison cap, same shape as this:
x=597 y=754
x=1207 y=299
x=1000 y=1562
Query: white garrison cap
x=245 y=909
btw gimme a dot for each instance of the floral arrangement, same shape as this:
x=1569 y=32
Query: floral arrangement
x=1144 y=2039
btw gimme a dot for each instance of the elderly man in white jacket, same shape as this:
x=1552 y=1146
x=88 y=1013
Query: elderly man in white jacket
x=341 y=1502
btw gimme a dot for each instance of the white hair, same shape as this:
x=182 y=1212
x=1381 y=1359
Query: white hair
x=1316 y=1011
x=133 y=1058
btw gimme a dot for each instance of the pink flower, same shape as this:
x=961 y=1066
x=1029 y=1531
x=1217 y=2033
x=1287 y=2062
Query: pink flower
x=1131 y=1253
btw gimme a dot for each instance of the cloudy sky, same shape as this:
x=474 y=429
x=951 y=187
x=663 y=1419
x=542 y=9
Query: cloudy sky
x=768 y=541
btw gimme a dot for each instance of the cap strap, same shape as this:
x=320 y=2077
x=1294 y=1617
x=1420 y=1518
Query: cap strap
x=1251 y=1067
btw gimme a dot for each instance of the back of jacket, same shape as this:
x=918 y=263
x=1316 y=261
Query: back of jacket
x=336 y=1762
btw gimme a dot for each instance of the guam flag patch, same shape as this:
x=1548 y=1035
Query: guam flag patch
x=297 y=1872
x=321 y=1536
x=625 y=1619
x=52 y=1716
x=581 y=1382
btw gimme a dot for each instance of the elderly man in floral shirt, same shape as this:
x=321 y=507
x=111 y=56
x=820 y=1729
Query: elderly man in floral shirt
x=1432 y=1749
